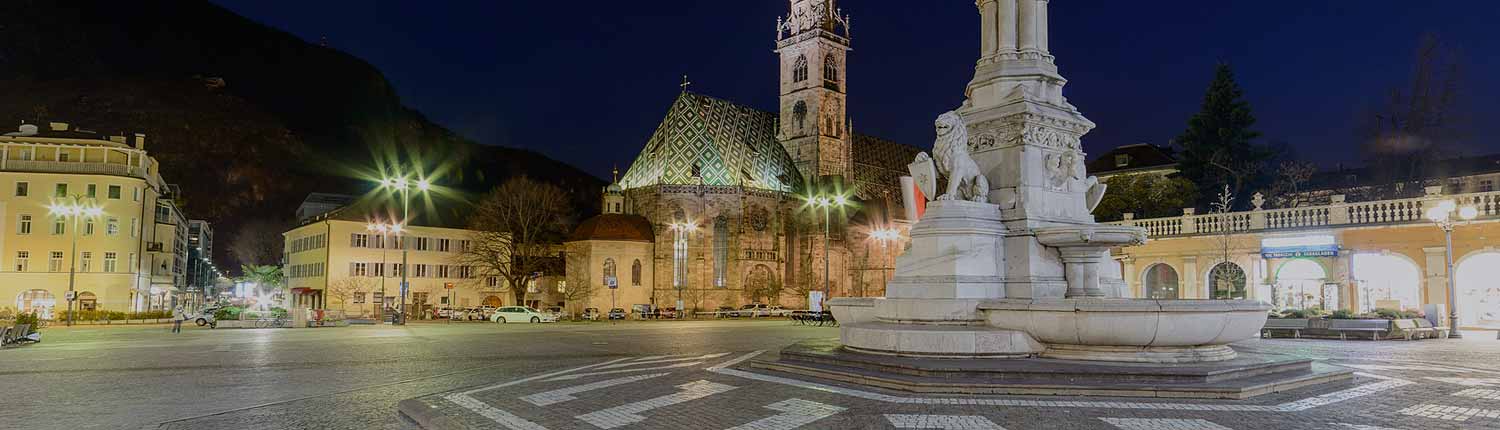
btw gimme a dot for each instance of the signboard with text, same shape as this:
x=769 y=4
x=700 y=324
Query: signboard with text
x=1315 y=245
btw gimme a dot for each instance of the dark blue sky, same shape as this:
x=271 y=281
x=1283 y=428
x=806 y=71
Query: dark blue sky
x=587 y=81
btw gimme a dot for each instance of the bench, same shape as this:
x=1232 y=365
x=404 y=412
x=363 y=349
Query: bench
x=1293 y=325
x=1438 y=331
x=1376 y=328
x=1409 y=329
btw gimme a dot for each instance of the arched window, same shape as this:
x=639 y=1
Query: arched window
x=635 y=273
x=721 y=251
x=830 y=68
x=1227 y=281
x=87 y=301
x=799 y=69
x=1161 y=282
x=609 y=272
x=799 y=114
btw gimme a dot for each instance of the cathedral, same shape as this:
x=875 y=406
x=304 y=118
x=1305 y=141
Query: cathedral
x=727 y=205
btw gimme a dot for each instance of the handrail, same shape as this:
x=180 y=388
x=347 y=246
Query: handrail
x=1338 y=213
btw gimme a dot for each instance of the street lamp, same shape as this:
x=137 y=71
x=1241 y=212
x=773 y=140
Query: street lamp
x=405 y=185
x=73 y=210
x=385 y=230
x=885 y=236
x=1443 y=215
x=827 y=203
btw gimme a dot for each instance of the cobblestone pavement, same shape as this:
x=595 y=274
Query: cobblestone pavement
x=1430 y=384
x=656 y=375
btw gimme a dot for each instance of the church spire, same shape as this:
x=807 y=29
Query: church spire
x=813 y=44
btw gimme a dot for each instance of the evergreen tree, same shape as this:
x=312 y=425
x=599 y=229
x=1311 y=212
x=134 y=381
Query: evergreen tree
x=1218 y=147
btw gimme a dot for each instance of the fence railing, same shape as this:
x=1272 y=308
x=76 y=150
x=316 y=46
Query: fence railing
x=1337 y=213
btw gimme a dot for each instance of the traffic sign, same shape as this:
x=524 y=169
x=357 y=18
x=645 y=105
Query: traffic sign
x=612 y=281
x=70 y=296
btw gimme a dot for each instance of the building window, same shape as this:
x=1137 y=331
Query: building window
x=54 y=261
x=91 y=191
x=635 y=273
x=62 y=190
x=59 y=226
x=62 y=156
x=1122 y=160
x=1486 y=185
x=492 y=282
x=397 y=269
x=359 y=297
x=830 y=68
x=109 y=262
x=26 y=154
x=799 y=114
x=444 y=271
x=721 y=251
x=424 y=243
x=679 y=259
x=88 y=227
x=799 y=69
x=359 y=269
x=23 y=259
x=114 y=192
x=135 y=193
x=420 y=271
x=86 y=261
x=112 y=226
x=24 y=227
x=359 y=240
x=444 y=245
x=23 y=189
x=135 y=227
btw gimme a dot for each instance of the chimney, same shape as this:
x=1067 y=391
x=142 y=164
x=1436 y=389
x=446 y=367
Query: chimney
x=59 y=126
x=140 y=141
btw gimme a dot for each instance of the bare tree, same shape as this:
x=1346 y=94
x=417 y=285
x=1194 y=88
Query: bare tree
x=1291 y=176
x=515 y=228
x=257 y=242
x=1226 y=280
x=345 y=288
x=1405 y=132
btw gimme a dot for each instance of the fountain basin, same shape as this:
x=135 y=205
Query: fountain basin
x=1131 y=330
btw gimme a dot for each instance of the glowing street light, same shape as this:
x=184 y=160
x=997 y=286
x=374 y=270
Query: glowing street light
x=404 y=185
x=73 y=210
x=384 y=230
x=1442 y=216
x=885 y=236
x=827 y=203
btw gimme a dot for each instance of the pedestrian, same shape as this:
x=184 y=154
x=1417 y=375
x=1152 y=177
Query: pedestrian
x=177 y=317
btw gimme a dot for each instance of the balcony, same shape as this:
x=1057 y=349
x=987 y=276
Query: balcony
x=89 y=168
x=1337 y=214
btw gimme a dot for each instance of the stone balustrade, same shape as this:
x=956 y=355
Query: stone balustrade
x=1337 y=213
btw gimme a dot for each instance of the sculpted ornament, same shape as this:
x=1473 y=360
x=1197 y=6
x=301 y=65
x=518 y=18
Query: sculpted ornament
x=952 y=154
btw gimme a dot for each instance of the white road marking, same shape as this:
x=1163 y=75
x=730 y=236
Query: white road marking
x=507 y=419
x=736 y=360
x=664 y=360
x=1406 y=367
x=566 y=394
x=944 y=422
x=627 y=414
x=1162 y=423
x=1386 y=384
x=612 y=372
x=1365 y=427
x=1479 y=393
x=1448 y=413
x=1469 y=382
x=794 y=413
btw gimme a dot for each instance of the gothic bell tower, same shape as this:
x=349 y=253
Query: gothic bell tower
x=813 y=42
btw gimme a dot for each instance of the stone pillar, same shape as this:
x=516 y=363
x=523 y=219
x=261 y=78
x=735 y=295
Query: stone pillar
x=1027 y=29
x=1132 y=279
x=1435 y=266
x=1041 y=26
x=1005 y=21
x=1188 y=279
x=1338 y=210
x=989 y=29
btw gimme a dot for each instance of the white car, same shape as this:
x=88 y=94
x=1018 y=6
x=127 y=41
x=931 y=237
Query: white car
x=517 y=314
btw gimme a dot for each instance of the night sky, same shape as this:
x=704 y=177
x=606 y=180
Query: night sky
x=587 y=82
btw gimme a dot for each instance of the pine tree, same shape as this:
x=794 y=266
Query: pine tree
x=1218 y=147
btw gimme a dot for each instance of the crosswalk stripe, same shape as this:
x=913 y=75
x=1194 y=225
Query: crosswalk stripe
x=566 y=394
x=944 y=422
x=629 y=413
x=664 y=360
x=611 y=372
x=794 y=413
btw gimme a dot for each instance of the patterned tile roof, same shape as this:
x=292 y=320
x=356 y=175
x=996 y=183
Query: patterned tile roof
x=729 y=144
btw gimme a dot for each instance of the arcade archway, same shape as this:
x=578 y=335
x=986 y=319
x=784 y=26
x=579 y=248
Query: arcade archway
x=1478 y=286
x=1387 y=281
x=1161 y=282
x=1299 y=284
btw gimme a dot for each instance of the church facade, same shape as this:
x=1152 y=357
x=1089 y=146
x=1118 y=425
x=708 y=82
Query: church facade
x=722 y=201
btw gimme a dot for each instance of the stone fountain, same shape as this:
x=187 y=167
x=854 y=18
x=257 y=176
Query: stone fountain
x=1008 y=284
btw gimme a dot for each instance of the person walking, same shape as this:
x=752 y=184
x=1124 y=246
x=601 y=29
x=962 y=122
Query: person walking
x=177 y=317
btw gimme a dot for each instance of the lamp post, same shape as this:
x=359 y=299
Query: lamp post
x=828 y=203
x=885 y=236
x=73 y=210
x=404 y=186
x=1442 y=215
x=385 y=230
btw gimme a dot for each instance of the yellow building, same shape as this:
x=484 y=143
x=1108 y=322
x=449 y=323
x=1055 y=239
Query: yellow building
x=128 y=242
x=336 y=261
x=1356 y=256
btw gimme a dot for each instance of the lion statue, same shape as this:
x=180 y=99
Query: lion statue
x=951 y=151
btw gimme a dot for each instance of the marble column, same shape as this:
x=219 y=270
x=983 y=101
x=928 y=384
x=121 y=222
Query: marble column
x=1041 y=25
x=1187 y=280
x=1005 y=21
x=1027 y=29
x=989 y=29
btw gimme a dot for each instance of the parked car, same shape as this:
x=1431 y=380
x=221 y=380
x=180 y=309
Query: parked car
x=521 y=314
x=753 y=310
x=724 y=312
x=557 y=312
x=666 y=313
x=206 y=317
x=592 y=314
x=616 y=314
x=438 y=313
x=778 y=311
